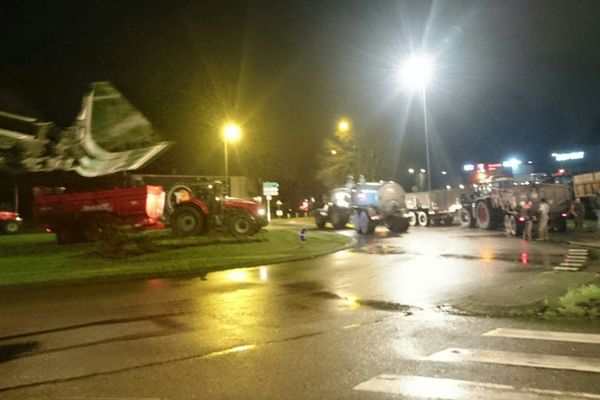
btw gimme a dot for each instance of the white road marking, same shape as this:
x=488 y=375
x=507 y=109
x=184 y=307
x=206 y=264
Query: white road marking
x=571 y=264
x=545 y=335
x=566 y=269
x=451 y=389
x=517 y=359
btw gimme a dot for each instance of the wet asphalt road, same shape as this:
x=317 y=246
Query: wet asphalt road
x=309 y=329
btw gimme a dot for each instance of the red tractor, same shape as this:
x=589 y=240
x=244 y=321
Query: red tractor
x=10 y=222
x=200 y=208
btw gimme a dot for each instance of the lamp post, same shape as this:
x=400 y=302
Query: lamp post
x=416 y=73
x=231 y=133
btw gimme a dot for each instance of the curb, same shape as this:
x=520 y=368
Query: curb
x=586 y=244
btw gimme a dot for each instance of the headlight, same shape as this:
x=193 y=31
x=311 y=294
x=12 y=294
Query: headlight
x=261 y=211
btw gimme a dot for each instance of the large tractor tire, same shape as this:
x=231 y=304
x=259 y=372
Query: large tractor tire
x=559 y=224
x=241 y=225
x=187 y=221
x=338 y=218
x=465 y=218
x=66 y=235
x=364 y=224
x=412 y=218
x=11 y=227
x=483 y=216
x=399 y=224
x=422 y=218
x=320 y=220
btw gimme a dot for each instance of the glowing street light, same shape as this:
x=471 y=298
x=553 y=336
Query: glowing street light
x=231 y=133
x=343 y=126
x=416 y=73
x=333 y=152
x=411 y=171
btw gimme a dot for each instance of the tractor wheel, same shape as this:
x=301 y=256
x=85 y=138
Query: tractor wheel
x=465 y=218
x=240 y=225
x=422 y=218
x=10 y=227
x=67 y=235
x=412 y=218
x=338 y=218
x=320 y=220
x=399 y=224
x=187 y=221
x=510 y=225
x=482 y=215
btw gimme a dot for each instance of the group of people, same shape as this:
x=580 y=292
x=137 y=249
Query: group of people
x=577 y=210
x=530 y=215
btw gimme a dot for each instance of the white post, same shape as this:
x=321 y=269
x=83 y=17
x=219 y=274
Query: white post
x=269 y=208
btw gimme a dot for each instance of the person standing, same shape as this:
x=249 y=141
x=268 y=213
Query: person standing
x=527 y=213
x=544 y=211
x=578 y=212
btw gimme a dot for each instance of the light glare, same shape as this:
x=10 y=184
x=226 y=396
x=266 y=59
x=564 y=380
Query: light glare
x=417 y=71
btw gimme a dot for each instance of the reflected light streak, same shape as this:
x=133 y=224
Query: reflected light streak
x=236 y=349
x=237 y=275
x=263 y=273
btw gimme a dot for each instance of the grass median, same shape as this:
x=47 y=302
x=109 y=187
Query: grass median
x=38 y=259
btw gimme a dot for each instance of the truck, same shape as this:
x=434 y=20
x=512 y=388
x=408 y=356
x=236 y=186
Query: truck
x=498 y=202
x=201 y=207
x=367 y=204
x=433 y=207
x=88 y=216
x=10 y=222
x=586 y=185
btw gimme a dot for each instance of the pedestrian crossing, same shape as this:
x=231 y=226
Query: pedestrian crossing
x=423 y=387
x=575 y=259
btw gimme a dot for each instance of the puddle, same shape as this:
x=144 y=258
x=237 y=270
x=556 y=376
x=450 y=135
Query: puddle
x=379 y=248
x=15 y=350
x=375 y=304
x=524 y=259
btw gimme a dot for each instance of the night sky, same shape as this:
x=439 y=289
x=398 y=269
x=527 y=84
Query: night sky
x=513 y=78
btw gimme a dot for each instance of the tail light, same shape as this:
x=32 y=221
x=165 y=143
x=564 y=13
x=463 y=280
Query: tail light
x=155 y=201
x=522 y=219
x=564 y=215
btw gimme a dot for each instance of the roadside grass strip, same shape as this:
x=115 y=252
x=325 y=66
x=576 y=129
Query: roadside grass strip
x=38 y=259
x=453 y=389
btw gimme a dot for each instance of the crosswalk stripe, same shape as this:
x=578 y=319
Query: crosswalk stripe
x=517 y=359
x=451 y=389
x=566 y=268
x=571 y=264
x=545 y=335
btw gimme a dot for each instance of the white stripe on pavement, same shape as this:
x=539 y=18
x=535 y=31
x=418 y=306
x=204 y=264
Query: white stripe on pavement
x=545 y=335
x=517 y=359
x=451 y=389
x=566 y=269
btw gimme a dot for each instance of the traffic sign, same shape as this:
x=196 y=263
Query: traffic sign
x=270 y=189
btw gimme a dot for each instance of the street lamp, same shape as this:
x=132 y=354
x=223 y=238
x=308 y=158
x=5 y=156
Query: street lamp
x=416 y=73
x=343 y=126
x=231 y=133
x=411 y=171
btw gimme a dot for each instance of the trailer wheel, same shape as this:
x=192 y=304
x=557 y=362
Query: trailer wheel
x=241 y=225
x=510 y=225
x=422 y=218
x=482 y=215
x=399 y=224
x=67 y=235
x=10 y=227
x=412 y=218
x=337 y=218
x=465 y=218
x=320 y=220
x=187 y=221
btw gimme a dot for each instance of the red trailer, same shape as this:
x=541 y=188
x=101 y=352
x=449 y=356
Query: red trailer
x=85 y=216
x=10 y=222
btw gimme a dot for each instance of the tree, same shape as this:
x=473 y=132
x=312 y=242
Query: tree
x=345 y=154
